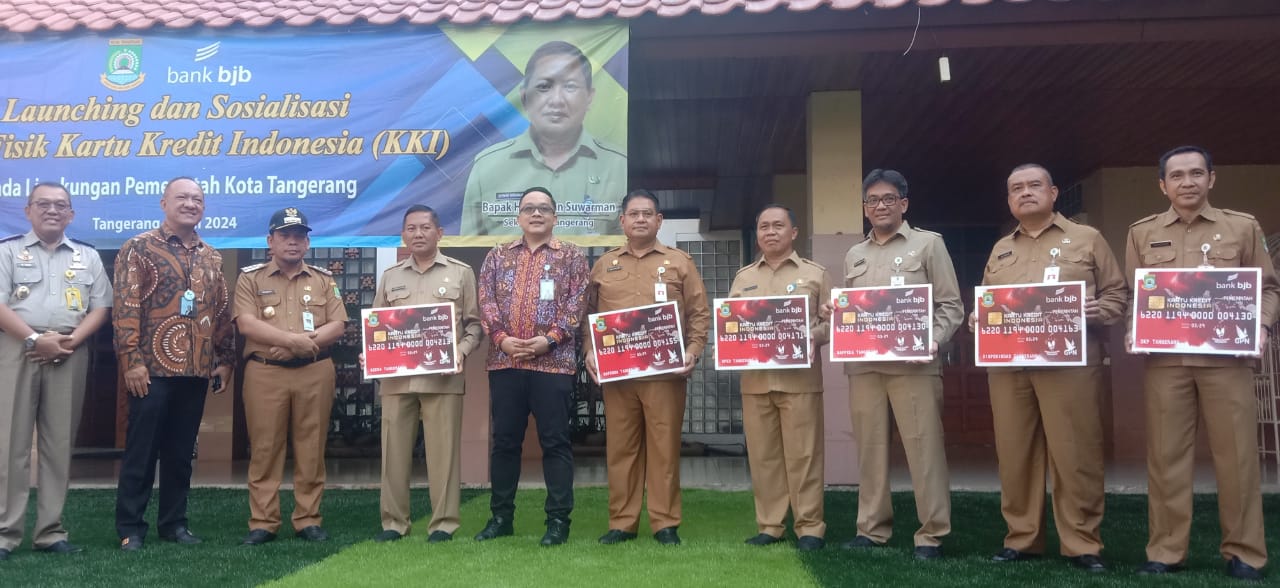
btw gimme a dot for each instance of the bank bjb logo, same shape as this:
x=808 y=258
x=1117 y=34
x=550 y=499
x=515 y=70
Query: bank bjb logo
x=124 y=65
x=1149 y=282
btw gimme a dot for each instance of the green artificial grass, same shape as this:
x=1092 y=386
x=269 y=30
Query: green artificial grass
x=715 y=524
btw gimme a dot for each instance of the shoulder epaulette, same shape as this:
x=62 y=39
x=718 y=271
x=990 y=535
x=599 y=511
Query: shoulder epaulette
x=320 y=269
x=813 y=263
x=928 y=232
x=1238 y=213
x=744 y=268
x=85 y=243
x=607 y=147
x=252 y=268
x=11 y=237
x=455 y=260
x=1145 y=219
x=496 y=147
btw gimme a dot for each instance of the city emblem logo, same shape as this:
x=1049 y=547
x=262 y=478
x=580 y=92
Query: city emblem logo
x=843 y=301
x=1149 y=282
x=600 y=324
x=724 y=310
x=373 y=319
x=124 y=65
x=988 y=299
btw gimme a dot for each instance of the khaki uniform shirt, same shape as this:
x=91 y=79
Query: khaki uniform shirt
x=1235 y=240
x=265 y=292
x=587 y=188
x=620 y=280
x=52 y=291
x=446 y=280
x=810 y=279
x=925 y=260
x=1083 y=255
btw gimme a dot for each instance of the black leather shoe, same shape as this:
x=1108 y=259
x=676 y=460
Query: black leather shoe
x=557 y=533
x=312 y=533
x=63 y=547
x=496 y=527
x=258 y=537
x=763 y=539
x=667 y=536
x=1154 y=568
x=439 y=537
x=131 y=543
x=615 y=536
x=4 y=554
x=1089 y=562
x=860 y=542
x=388 y=535
x=928 y=552
x=1009 y=554
x=181 y=535
x=810 y=543
x=1243 y=571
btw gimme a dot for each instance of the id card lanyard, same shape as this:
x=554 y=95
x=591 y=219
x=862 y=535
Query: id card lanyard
x=897 y=279
x=546 y=286
x=308 y=319
x=188 y=305
x=660 y=288
x=1051 y=272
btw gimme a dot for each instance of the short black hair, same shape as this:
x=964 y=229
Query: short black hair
x=557 y=48
x=888 y=176
x=435 y=218
x=790 y=215
x=539 y=190
x=1164 y=159
x=1042 y=168
x=32 y=195
x=172 y=180
x=639 y=193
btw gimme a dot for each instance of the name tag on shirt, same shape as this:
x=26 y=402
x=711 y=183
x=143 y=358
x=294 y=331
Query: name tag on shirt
x=895 y=281
x=660 y=292
x=308 y=321
x=1051 y=274
x=546 y=289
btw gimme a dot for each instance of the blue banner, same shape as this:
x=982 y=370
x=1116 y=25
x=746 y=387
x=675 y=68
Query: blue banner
x=350 y=128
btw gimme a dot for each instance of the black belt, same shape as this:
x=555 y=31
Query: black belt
x=292 y=363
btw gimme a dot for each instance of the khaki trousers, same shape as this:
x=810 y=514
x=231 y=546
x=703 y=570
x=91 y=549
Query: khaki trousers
x=642 y=434
x=916 y=402
x=785 y=451
x=277 y=399
x=441 y=418
x=1048 y=420
x=47 y=399
x=1177 y=396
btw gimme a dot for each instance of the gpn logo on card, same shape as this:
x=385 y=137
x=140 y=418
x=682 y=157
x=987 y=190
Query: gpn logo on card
x=124 y=65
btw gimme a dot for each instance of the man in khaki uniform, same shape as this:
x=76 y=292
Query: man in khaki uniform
x=896 y=254
x=54 y=295
x=290 y=313
x=782 y=409
x=1182 y=389
x=644 y=417
x=426 y=277
x=556 y=152
x=1050 y=417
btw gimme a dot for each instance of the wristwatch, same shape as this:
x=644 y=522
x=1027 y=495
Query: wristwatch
x=551 y=343
x=31 y=341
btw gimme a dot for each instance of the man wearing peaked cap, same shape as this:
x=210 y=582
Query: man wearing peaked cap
x=290 y=314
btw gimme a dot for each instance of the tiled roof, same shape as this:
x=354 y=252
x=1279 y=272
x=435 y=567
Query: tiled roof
x=21 y=16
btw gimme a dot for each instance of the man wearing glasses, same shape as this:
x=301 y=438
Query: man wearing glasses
x=531 y=301
x=54 y=295
x=645 y=416
x=897 y=254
